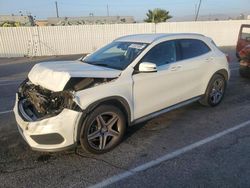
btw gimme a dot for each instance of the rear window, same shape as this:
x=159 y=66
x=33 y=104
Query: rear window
x=190 y=48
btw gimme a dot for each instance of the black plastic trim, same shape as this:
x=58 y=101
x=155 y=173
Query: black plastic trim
x=119 y=99
x=165 y=110
x=106 y=100
x=48 y=139
x=223 y=72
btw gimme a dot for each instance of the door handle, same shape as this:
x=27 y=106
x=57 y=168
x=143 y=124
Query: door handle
x=208 y=59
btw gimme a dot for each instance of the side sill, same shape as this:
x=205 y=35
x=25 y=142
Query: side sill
x=165 y=110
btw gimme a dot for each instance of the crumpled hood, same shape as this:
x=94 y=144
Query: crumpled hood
x=55 y=75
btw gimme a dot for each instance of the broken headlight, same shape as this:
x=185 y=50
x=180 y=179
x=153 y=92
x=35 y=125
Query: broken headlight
x=42 y=102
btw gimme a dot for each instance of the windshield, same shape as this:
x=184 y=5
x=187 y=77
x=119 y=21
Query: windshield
x=116 y=55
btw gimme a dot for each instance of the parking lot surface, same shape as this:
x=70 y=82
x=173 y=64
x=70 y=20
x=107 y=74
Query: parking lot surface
x=222 y=161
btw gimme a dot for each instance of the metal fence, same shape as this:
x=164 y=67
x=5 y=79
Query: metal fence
x=62 y=40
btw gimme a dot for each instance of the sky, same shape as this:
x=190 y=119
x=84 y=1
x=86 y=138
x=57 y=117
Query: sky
x=137 y=8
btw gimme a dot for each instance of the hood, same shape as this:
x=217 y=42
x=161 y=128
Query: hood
x=54 y=75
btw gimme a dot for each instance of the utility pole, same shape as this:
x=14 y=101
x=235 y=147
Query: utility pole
x=107 y=10
x=197 y=13
x=57 y=14
x=195 y=10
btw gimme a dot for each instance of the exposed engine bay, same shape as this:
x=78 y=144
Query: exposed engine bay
x=38 y=102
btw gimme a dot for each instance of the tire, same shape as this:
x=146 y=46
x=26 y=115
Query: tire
x=215 y=91
x=244 y=72
x=103 y=129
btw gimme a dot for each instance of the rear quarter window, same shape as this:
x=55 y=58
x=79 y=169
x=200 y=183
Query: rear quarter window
x=190 y=48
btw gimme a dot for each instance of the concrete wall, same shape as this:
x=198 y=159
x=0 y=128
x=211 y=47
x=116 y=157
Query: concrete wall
x=62 y=40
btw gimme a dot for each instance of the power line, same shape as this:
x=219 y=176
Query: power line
x=195 y=10
x=197 y=14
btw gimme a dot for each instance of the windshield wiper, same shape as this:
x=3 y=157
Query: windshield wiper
x=95 y=63
x=100 y=64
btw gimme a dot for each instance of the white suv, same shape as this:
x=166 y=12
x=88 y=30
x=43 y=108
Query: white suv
x=93 y=100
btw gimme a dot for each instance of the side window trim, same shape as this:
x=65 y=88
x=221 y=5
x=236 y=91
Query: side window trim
x=178 y=55
x=175 y=47
x=178 y=50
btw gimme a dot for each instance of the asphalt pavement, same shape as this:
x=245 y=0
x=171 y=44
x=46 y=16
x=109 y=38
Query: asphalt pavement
x=221 y=161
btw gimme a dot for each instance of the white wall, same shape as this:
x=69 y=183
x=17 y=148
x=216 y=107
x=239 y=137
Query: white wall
x=63 y=40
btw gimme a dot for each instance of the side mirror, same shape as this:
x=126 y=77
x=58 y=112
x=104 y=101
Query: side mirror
x=147 y=67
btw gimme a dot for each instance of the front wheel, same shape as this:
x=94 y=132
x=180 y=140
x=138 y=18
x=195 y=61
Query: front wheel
x=215 y=91
x=103 y=129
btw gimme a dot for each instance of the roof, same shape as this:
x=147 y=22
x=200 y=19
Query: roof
x=149 y=38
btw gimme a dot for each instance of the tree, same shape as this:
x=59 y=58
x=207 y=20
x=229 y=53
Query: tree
x=157 y=15
x=10 y=24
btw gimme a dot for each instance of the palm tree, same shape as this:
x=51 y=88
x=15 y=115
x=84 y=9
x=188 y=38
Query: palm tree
x=157 y=15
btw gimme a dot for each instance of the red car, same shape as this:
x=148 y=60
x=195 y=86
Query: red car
x=243 y=50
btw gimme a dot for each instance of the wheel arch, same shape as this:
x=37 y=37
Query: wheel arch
x=117 y=101
x=222 y=72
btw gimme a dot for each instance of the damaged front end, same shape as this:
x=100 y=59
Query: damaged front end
x=35 y=102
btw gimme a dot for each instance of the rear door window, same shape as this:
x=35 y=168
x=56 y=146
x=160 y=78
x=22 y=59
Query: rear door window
x=190 y=48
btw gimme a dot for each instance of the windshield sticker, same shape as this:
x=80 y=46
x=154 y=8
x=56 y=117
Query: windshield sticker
x=137 y=46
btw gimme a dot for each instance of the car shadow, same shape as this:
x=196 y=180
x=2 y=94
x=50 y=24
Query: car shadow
x=133 y=129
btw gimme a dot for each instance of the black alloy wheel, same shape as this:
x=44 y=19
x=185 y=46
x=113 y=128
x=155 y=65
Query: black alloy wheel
x=215 y=91
x=103 y=130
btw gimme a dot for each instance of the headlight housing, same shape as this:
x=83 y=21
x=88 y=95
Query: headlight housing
x=38 y=102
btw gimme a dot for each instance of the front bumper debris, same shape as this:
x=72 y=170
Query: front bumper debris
x=50 y=134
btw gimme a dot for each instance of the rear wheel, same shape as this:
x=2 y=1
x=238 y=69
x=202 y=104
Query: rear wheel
x=103 y=130
x=215 y=91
